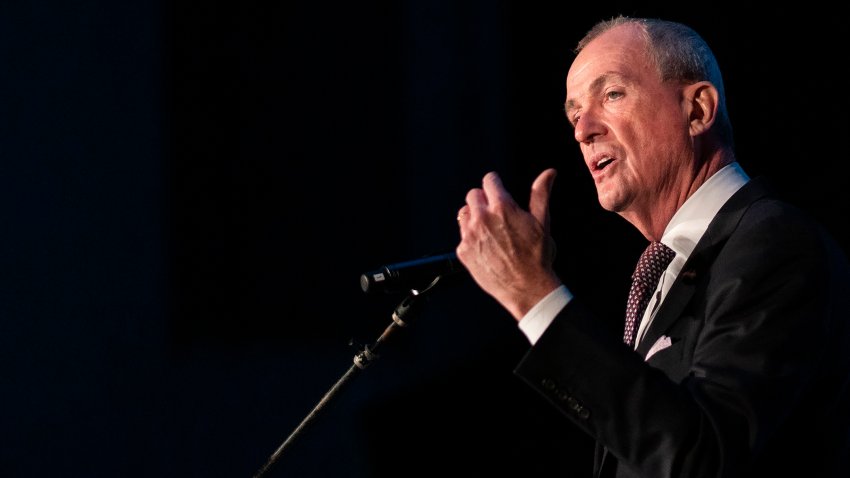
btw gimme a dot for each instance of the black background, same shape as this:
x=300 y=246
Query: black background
x=191 y=190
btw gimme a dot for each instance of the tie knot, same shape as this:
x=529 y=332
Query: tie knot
x=652 y=263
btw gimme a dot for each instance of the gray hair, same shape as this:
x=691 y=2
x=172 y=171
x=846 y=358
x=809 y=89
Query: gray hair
x=679 y=53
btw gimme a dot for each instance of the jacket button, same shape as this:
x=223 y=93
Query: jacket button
x=548 y=384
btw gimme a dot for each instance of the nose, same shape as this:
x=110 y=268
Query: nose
x=588 y=127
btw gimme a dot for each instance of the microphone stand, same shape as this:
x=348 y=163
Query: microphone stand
x=362 y=359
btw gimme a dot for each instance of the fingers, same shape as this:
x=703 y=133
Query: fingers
x=462 y=213
x=541 y=191
x=462 y=220
x=493 y=191
x=493 y=187
x=477 y=199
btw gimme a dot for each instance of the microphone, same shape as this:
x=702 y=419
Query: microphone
x=410 y=274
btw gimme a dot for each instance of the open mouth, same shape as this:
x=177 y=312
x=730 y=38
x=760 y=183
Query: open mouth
x=600 y=165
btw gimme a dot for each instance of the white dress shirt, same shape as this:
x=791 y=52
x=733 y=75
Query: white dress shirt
x=682 y=234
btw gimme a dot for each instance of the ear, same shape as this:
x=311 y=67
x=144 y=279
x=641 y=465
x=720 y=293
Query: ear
x=702 y=100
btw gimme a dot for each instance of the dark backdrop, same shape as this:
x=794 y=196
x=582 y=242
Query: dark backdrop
x=191 y=190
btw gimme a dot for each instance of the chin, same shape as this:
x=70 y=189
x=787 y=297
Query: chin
x=607 y=201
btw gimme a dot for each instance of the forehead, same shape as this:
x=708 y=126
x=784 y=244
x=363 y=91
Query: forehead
x=617 y=53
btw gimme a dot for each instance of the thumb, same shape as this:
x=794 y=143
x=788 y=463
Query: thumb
x=541 y=190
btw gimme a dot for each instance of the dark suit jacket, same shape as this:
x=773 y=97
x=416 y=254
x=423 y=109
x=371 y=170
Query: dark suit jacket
x=757 y=379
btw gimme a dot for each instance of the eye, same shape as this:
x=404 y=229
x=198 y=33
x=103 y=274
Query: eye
x=614 y=95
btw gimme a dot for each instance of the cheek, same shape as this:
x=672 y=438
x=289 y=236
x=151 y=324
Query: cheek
x=652 y=155
x=661 y=134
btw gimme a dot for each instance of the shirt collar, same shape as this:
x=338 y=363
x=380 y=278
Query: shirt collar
x=691 y=220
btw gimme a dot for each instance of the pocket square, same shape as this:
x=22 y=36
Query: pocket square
x=662 y=343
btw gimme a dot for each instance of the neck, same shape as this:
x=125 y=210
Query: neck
x=652 y=223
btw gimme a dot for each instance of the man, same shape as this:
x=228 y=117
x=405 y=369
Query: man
x=740 y=363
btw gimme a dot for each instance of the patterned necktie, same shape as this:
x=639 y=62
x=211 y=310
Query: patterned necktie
x=652 y=263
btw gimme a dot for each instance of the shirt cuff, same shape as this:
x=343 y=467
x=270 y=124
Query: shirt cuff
x=543 y=313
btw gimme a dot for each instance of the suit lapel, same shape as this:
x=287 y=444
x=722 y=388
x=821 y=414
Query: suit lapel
x=701 y=258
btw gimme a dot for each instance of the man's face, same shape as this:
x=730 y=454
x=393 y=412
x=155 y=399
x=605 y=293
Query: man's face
x=632 y=127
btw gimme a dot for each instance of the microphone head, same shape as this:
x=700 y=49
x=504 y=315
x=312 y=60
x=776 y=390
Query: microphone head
x=369 y=279
x=404 y=276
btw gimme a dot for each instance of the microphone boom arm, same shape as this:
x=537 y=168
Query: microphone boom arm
x=401 y=317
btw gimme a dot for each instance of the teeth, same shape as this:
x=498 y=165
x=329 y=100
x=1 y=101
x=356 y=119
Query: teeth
x=604 y=162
